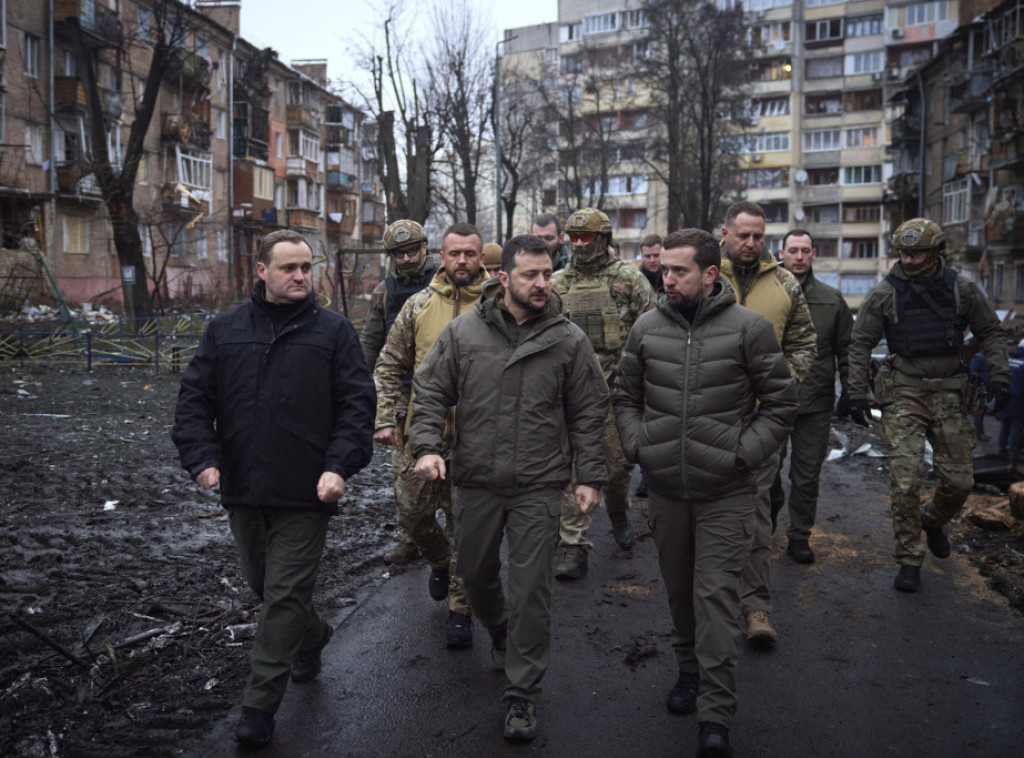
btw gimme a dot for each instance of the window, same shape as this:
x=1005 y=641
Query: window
x=769 y=106
x=823 y=214
x=222 y=125
x=769 y=33
x=194 y=171
x=860 y=248
x=571 y=64
x=862 y=174
x=956 y=201
x=641 y=51
x=775 y=213
x=202 y=246
x=176 y=244
x=34 y=145
x=856 y=284
x=306 y=144
x=764 y=178
x=68 y=64
x=864 y=100
x=263 y=182
x=201 y=47
x=825 y=29
x=32 y=44
x=278 y=143
x=76 y=234
x=570 y=32
x=147 y=240
x=866 y=136
x=819 y=68
x=1018 y=282
x=624 y=185
x=144 y=21
x=821 y=139
x=827 y=249
x=771 y=142
x=753 y=5
x=865 y=63
x=777 y=70
x=222 y=68
x=817 y=177
x=825 y=104
x=637 y=19
x=815 y=3
x=857 y=214
x=864 y=26
x=927 y=13
x=222 y=245
x=551 y=55
x=600 y=22
x=630 y=218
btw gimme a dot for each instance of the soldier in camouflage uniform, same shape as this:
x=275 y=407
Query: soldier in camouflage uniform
x=604 y=297
x=923 y=307
x=453 y=290
x=406 y=246
x=768 y=289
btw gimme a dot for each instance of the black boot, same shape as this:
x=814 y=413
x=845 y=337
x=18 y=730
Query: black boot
x=938 y=543
x=909 y=579
x=713 y=741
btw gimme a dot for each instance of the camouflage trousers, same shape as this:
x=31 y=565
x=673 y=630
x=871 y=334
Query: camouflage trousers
x=573 y=525
x=418 y=502
x=913 y=416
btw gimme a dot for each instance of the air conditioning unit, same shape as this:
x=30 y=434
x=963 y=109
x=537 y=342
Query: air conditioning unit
x=894 y=73
x=877 y=76
x=755 y=158
x=897 y=34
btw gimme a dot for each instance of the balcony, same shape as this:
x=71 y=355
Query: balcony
x=339 y=135
x=186 y=129
x=111 y=103
x=303 y=218
x=905 y=129
x=102 y=26
x=1008 y=152
x=68 y=93
x=74 y=179
x=188 y=200
x=191 y=67
x=301 y=115
x=970 y=94
x=296 y=165
x=251 y=132
x=339 y=180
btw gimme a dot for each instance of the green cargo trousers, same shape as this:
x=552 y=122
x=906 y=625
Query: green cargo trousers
x=808 y=443
x=702 y=548
x=280 y=552
x=573 y=524
x=530 y=521
x=755 y=583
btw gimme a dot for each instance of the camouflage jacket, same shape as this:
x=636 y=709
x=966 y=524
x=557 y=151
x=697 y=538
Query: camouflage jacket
x=880 y=306
x=604 y=301
x=776 y=294
x=374 y=332
x=421 y=320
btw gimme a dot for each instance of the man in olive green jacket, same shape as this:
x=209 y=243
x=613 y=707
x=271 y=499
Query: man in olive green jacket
x=531 y=403
x=833 y=324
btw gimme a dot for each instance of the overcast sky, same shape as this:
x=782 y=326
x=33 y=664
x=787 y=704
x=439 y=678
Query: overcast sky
x=299 y=29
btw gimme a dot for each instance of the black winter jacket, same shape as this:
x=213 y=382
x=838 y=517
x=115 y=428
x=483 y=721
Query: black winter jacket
x=275 y=411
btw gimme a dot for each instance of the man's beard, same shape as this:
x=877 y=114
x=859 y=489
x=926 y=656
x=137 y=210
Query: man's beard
x=685 y=302
x=526 y=304
x=461 y=278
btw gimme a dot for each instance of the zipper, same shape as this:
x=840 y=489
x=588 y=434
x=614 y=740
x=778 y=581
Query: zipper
x=686 y=392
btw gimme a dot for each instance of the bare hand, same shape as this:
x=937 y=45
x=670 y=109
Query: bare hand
x=430 y=467
x=587 y=498
x=208 y=478
x=386 y=435
x=330 y=488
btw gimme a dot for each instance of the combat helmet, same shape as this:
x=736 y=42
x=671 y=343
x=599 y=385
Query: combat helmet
x=918 y=234
x=401 y=233
x=589 y=220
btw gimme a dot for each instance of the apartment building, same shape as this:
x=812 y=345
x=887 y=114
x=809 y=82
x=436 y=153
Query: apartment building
x=816 y=153
x=239 y=144
x=958 y=147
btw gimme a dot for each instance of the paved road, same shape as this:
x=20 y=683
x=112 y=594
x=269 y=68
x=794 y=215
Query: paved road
x=860 y=669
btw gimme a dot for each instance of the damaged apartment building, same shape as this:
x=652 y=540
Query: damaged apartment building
x=239 y=144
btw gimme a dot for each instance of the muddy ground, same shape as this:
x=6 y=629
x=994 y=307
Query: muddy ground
x=125 y=619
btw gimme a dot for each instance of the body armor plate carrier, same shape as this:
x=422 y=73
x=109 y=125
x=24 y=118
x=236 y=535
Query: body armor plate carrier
x=591 y=305
x=927 y=322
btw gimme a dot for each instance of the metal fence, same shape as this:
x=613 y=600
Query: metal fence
x=166 y=342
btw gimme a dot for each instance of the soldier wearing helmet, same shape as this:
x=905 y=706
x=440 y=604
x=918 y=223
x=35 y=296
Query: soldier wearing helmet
x=412 y=268
x=922 y=307
x=604 y=297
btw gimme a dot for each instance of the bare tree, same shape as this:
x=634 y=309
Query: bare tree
x=697 y=69
x=164 y=39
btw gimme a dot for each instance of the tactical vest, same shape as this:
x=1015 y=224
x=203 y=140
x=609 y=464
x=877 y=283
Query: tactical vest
x=927 y=322
x=591 y=305
x=396 y=293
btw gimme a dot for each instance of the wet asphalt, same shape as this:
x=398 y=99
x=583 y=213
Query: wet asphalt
x=859 y=670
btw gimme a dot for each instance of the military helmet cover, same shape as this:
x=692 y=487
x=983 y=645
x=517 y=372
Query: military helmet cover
x=918 y=234
x=589 y=220
x=492 y=254
x=401 y=233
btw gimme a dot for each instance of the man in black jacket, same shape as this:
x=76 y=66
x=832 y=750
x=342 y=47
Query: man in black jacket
x=277 y=408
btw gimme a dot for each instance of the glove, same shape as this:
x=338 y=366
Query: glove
x=843 y=406
x=860 y=412
x=998 y=396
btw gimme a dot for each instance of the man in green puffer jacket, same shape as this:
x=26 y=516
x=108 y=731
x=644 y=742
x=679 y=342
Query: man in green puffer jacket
x=703 y=397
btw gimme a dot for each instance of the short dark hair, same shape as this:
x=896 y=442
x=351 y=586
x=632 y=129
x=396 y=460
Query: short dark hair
x=797 y=233
x=462 y=229
x=524 y=243
x=744 y=206
x=546 y=219
x=706 y=250
x=280 y=235
x=651 y=240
